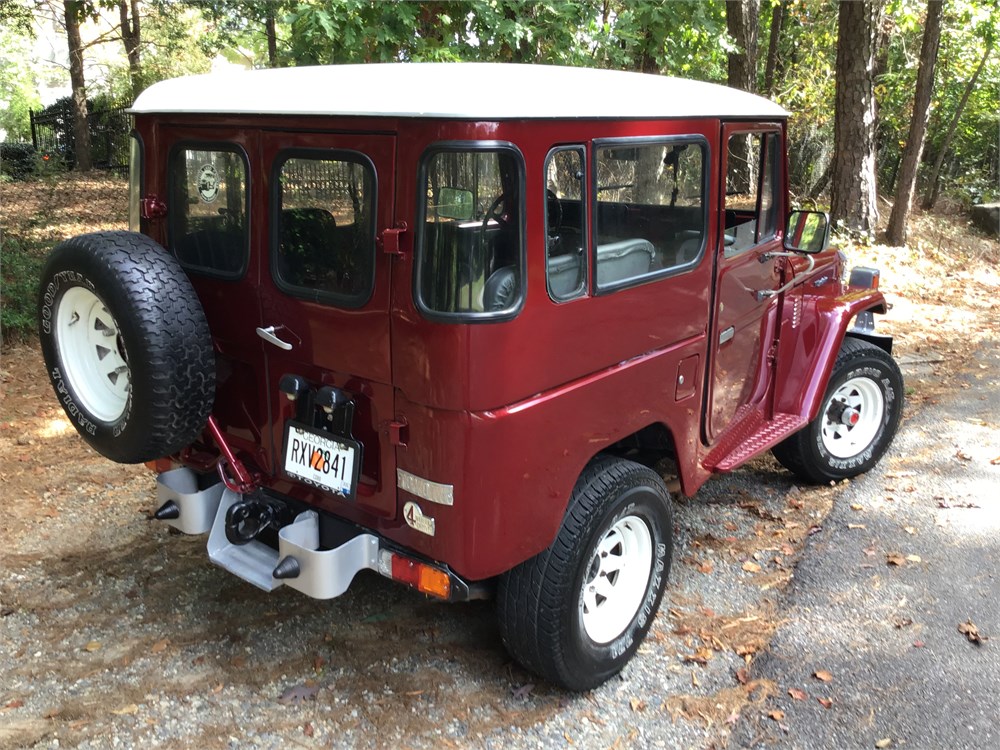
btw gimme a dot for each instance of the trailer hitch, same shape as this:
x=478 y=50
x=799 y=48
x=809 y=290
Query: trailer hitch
x=250 y=516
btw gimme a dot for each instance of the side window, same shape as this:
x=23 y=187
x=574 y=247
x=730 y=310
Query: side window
x=324 y=227
x=752 y=181
x=469 y=243
x=650 y=208
x=566 y=263
x=208 y=210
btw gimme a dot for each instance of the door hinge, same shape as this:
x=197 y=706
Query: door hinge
x=399 y=432
x=390 y=239
x=772 y=353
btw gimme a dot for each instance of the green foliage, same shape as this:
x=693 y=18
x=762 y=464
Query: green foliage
x=20 y=271
x=17 y=160
x=18 y=82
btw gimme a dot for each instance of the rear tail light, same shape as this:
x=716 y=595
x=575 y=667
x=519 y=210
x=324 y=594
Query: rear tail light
x=421 y=576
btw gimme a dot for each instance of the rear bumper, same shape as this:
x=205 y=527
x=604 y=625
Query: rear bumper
x=315 y=554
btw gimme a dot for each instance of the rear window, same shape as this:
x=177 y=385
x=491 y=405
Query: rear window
x=470 y=254
x=324 y=241
x=208 y=209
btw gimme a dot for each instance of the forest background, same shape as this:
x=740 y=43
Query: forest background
x=890 y=99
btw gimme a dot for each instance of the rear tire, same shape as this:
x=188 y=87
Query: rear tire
x=856 y=422
x=126 y=345
x=578 y=611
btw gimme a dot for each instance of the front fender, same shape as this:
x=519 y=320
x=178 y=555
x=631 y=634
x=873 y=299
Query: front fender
x=812 y=330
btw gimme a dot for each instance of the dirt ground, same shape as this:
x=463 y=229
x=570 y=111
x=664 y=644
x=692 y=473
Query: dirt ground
x=118 y=632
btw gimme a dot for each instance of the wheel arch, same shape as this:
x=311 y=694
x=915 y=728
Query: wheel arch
x=810 y=338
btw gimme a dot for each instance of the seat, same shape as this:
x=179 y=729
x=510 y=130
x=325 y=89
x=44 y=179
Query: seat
x=564 y=275
x=623 y=260
x=500 y=291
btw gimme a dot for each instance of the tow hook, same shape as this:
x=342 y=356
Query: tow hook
x=247 y=518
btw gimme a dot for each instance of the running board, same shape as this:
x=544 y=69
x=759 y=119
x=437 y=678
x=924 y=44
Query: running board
x=751 y=435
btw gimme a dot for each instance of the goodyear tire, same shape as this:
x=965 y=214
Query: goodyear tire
x=578 y=611
x=126 y=345
x=856 y=422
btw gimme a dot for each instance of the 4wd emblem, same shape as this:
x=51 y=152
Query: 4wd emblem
x=416 y=518
x=208 y=183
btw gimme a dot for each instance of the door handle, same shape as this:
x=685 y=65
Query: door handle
x=269 y=336
x=727 y=335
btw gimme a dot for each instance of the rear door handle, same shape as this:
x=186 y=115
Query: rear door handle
x=269 y=336
x=727 y=335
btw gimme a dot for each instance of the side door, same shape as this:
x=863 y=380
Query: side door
x=324 y=304
x=745 y=317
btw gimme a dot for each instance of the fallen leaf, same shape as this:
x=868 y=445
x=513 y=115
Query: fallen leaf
x=895 y=558
x=298 y=694
x=318 y=663
x=971 y=631
x=822 y=675
x=568 y=738
x=16 y=703
x=910 y=530
x=733 y=718
x=700 y=656
x=902 y=622
x=825 y=702
x=913 y=558
x=523 y=692
x=856 y=526
x=217 y=689
x=51 y=713
x=128 y=710
x=918 y=644
x=776 y=714
x=160 y=646
x=706 y=567
x=962 y=455
x=742 y=676
x=857 y=506
x=92 y=646
x=885 y=742
x=799 y=695
x=308 y=730
x=637 y=705
x=751 y=567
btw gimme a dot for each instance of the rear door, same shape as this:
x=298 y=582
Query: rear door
x=324 y=303
x=745 y=318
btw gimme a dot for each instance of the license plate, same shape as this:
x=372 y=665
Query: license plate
x=322 y=460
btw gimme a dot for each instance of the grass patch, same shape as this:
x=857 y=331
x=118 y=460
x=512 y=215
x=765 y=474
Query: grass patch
x=20 y=269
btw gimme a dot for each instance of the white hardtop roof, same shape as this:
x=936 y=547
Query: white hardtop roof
x=467 y=91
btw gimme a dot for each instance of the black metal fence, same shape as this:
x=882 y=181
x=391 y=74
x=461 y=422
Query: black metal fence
x=52 y=133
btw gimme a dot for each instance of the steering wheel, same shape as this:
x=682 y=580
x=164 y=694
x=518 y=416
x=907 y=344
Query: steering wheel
x=493 y=211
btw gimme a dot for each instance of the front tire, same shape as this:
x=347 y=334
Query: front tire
x=856 y=422
x=578 y=611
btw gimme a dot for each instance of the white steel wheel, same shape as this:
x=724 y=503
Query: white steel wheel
x=852 y=417
x=92 y=355
x=615 y=584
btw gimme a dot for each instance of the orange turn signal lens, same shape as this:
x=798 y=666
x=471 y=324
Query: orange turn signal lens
x=421 y=576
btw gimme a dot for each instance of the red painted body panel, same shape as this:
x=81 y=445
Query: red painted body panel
x=508 y=413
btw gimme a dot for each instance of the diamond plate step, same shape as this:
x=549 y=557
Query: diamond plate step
x=751 y=435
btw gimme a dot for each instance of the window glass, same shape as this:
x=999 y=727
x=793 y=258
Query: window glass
x=470 y=238
x=324 y=228
x=564 y=223
x=208 y=210
x=752 y=181
x=650 y=209
x=134 y=182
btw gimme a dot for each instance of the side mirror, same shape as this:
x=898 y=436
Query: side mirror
x=454 y=203
x=807 y=232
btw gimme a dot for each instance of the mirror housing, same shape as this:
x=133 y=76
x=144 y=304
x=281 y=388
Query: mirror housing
x=807 y=232
x=455 y=203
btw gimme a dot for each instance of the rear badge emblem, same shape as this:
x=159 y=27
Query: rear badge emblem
x=416 y=518
x=208 y=183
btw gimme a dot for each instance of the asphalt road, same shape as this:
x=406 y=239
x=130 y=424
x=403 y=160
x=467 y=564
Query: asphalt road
x=909 y=553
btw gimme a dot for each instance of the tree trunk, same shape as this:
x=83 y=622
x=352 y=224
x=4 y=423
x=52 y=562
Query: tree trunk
x=742 y=21
x=853 y=199
x=131 y=38
x=773 y=69
x=930 y=197
x=272 y=38
x=81 y=132
x=906 y=180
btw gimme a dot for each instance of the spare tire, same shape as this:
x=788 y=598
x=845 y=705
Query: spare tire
x=126 y=345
